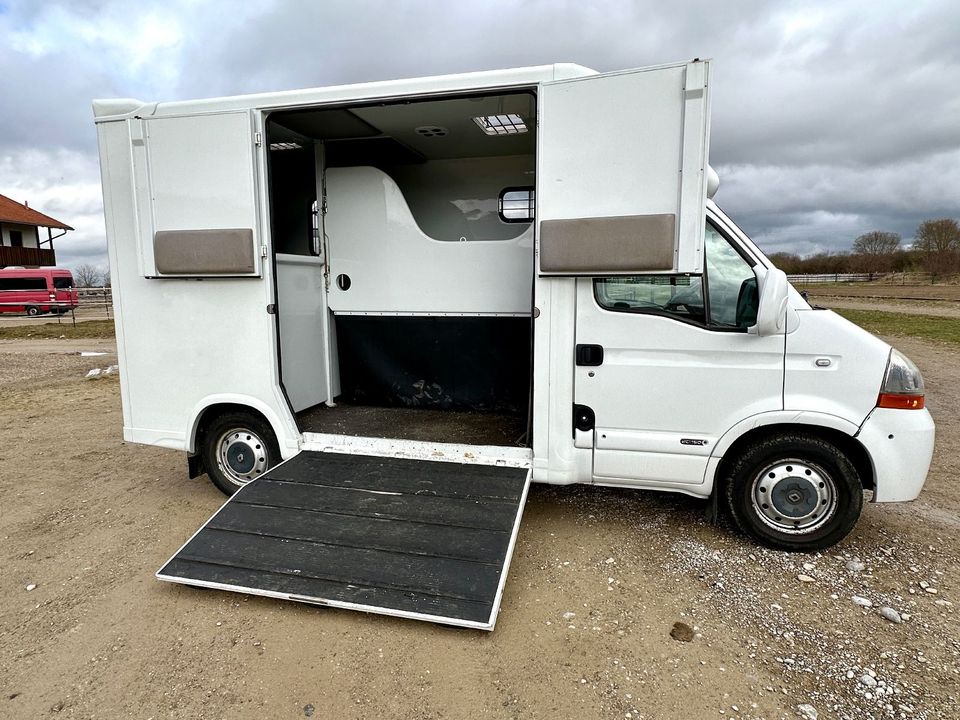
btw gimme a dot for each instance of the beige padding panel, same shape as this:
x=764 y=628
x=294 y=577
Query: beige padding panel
x=593 y=246
x=204 y=252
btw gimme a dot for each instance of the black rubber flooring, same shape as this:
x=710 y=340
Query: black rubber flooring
x=392 y=535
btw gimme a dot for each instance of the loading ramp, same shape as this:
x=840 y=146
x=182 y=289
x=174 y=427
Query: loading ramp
x=423 y=539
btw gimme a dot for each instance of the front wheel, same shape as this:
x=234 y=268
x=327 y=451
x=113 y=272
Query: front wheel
x=238 y=447
x=794 y=492
x=33 y=311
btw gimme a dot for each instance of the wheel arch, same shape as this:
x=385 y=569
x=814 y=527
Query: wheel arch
x=209 y=408
x=835 y=430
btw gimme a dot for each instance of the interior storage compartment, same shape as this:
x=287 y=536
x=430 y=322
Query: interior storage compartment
x=424 y=329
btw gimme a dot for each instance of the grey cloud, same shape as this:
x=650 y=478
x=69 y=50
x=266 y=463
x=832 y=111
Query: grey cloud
x=829 y=119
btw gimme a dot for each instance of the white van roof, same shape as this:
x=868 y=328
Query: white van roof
x=123 y=108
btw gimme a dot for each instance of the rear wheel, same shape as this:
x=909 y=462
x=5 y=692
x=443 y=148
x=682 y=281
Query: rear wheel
x=794 y=492
x=238 y=447
x=33 y=310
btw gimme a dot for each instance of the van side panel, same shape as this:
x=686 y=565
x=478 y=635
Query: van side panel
x=182 y=341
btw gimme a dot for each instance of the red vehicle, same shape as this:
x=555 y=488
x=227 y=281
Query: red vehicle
x=38 y=290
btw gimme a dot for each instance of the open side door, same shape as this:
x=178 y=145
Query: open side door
x=422 y=539
x=196 y=195
x=622 y=172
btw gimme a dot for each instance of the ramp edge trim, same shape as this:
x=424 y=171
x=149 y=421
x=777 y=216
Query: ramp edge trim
x=495 y=610
x=338 y=604
x=500 y=455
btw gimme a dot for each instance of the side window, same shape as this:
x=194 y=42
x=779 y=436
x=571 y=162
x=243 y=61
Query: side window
x=677 y=295
x=729 y=279
x=517 y=205
x=731 y=284
x=19 y=283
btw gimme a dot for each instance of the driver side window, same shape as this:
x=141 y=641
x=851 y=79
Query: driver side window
x=725 y=297
x=677 y=295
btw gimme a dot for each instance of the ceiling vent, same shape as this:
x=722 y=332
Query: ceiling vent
x=431 y=131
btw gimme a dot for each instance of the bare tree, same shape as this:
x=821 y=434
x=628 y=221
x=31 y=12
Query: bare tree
x=938 y=242
x=935 y=236
x=874 y=250
x=877 y=243
x=87 y=276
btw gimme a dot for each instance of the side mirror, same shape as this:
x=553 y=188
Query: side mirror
x=772 y=316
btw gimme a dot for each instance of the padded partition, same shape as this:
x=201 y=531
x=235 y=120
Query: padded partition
x=389 y=265
x=479 y=364
x=204 y=252
x=607 y=245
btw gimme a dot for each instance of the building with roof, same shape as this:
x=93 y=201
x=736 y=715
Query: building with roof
x=21 y=239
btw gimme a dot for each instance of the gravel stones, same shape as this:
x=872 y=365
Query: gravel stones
x=890 y=614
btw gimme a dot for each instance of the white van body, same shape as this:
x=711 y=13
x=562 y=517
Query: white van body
x=616 y=155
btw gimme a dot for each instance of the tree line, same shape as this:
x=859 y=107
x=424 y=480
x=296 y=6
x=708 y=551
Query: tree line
x=935 y=249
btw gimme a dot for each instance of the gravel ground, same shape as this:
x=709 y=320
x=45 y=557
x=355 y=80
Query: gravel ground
x=620 y=604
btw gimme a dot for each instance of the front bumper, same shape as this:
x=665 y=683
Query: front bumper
x=900 y=445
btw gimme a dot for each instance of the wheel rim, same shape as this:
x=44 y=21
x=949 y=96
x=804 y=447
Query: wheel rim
x=794 y=496
x=241 y=455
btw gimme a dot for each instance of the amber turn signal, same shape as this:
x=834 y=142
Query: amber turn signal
x=900 y=402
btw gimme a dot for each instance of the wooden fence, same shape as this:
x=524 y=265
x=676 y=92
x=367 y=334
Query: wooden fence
x=900 y=278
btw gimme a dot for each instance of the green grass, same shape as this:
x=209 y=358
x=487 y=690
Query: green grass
x=928 y=327
x=83 y=330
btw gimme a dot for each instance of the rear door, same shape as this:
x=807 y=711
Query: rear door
x=621 y=177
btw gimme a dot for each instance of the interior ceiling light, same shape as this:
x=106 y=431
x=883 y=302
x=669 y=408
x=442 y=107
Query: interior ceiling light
x=285 y=146
x=509 y=124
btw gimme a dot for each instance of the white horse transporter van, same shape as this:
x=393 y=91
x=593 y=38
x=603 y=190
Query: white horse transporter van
x=373 y=314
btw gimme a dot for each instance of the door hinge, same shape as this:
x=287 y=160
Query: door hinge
x=263 y=251
x=258 y=139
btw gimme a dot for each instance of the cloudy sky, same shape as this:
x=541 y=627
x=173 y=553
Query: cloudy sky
x=829 y=119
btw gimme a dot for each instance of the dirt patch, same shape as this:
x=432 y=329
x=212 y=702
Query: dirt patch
x=929 y=293
x=907 y=307
x=599 y=579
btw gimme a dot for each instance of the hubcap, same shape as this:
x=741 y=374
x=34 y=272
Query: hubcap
x=794 y=496
x=241 y=455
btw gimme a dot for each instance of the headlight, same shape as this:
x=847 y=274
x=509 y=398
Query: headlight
x=903 y=384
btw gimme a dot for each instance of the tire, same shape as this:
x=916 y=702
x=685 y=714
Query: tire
x=794 y=492
x=33 y=311
x=238 y=447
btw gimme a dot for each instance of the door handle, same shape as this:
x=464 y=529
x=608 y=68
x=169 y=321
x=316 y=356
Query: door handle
x=590 y=355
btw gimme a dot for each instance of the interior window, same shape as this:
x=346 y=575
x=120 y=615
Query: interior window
x=730 y=282
x=517 y=205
